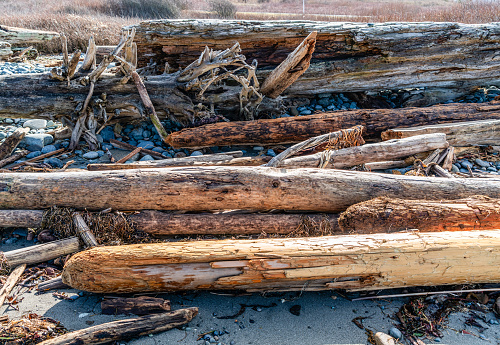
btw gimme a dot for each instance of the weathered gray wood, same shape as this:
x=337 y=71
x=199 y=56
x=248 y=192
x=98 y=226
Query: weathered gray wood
x=142 y=305
x=10 y=144
x=21 y=218
x=14 y=35
x=83 y=231
x=11 y=281
x=223 y=188
x=5 y=50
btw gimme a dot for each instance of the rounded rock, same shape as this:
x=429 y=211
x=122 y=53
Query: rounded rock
x=196 y=153
x=35 y=124
x=395 y=333
x=48 y=148
x=91 y=155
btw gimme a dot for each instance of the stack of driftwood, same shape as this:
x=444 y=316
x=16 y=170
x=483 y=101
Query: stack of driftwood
x=427 y=227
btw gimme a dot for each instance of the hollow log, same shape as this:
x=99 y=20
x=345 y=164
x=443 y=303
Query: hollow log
x=388 y=215
x=348 y=57
x=226 y=188
x=15 y=35
x=295 y=129
x=142 y=305
x=125 y=329
x=470 y=133
x=42 y=252
x=376 y=152
x=352 y=262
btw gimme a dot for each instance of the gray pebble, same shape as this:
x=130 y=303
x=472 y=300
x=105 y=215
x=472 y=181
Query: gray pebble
x=196 y=153
x=11 y=240
x=35 y=124
x=9 y=121
x=271 y=153
x=466 y=164
x=91 y=155
x=147 y=158
x=33 y=154
x=146 y=144
x=454 y=168
x=294 y=111
x=48 y=148
x=35 y=142
x=258 y=148
x=437 y=340
x=395 y=333
x=306 y=112
x=482 y=163
x=54 y=162
x=3 y=135
x=100 y=153
x=146 y=134
x=493 y=322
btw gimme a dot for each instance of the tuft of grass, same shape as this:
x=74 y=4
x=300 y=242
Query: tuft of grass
x=223 y=8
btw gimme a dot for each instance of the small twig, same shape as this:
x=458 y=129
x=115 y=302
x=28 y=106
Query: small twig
x=130 y=155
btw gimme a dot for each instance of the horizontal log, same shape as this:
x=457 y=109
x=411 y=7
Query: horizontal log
x=470 y=133
x=142 y=305
x=226 y=188
x=349 y=57
x=125 y=329
x=52 y=284
x=21 y=218
x=388 y=215
x=295 y=129
x=383 y=151
x=352 y=262
x=387 y=165
x=21 y=36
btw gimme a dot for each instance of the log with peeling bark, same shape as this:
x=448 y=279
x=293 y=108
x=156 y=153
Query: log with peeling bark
x=10 y=144
x=388 y=215
x=352 y=262
x=15 y=35
x=470 y=133
x=367 y=153
x=142 y=305
x=295 y=129
x=348 y=57
x=125 y=329
x=42 y=252
x=226 y=188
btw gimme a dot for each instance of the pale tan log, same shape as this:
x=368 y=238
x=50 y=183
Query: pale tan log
x=161 y=224
x=296 y=63
x=389 y=215
x=206 y=160
x=226 y=188
x=125 y=329
x=471 y=133
x=10 y=144
x=375 y=261
x=42 y=252
x=20 y=36
x=11 y=281
x=21 y=218
x=449 y=158
x=83 y=231
x=300 y=128
x=370 y=152
x=387 y=165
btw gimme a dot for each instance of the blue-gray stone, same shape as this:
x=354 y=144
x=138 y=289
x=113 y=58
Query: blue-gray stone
x=78 y=152
x=465 y=171
x=11 y=240
x=167 y=154
x=305 y=112
x=137 y=133
x=35 y=142
x=91 y=155
x=33 y=154
x=100 y=153
x=285 y=115
x=437 y=340
x=146 y=144
x=271 y=153
x=9 y=121
x=107 y=146
x=50 y=123
x=48 y=148
x=107 y=134
x=3 y=135
x=158 y=149
x=482 y=163
x=258 y=148
x=54 y=162
x=324 y=102
x=491 y=169
x=454 y=168
x=466 y=164
x=294 y=111
x=395 y=333
x=493 y=322
x=196 y=153
x=35 y=124
x=146 y=134
x=331 y=107
x=147 y=158
x=132 y=142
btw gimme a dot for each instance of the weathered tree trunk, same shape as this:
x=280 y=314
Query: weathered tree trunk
x=22 y=36
x=348 y=57
x=42 y=252
x=375 y=261
x=226 y=188
x=21 y=218
x=142 y=305
x=383 y=151
x=161 y=224
x=295 y=129
x=473 y=133
x=388 y=215
x=125 y=329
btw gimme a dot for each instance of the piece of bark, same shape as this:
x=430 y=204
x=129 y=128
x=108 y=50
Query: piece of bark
x=13 y=158
x=142 y=305
x=125 y=329
x=10 y=144
x=370 y=152
x=163 y=224
x=15 y=35
x=351 y=262
x=42 y=252
x=129 y=155
x=441 y=171
x=389 y=215
x=449 y=158
x=296 y=63
x=52 y=284
x=296 y=129
x=470 y=133
x=349 y=57
x=11 y=281
x=205 y=160
x=226 y=188
x=83 y=231
x=126 y=146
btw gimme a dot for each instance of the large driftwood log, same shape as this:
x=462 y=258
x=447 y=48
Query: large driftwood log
x=21 y=36
x=225 y=188
x=21 y=218
x=375 y=261
x=388 y=215
x=376 y=152
x=295 y=129
x=348 y=57
x=125 y=329
x=471 y=133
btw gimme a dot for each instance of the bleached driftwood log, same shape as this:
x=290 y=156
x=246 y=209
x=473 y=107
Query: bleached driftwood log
x=226 y=188
x=348 y=57
x=15 y=35
x=352 y=262
x=470 y=133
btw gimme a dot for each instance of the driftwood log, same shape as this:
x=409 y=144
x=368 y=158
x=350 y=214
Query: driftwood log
x=348 y=57
x=376 y=152
x=14 y=35
x=226 y=188
x=388 y=215
x=470 y=133
x=352 y=262
x=142 y=305
x=295 y=129
x=125 y=329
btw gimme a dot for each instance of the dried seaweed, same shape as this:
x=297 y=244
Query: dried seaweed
x=30 y=329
